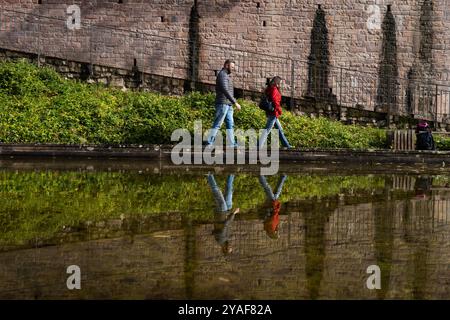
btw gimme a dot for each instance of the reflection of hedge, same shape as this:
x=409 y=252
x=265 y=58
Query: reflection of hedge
x=38 y=105
x=442 y=181
x=39 y=204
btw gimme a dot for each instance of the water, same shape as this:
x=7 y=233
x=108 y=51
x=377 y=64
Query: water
x=140 y=231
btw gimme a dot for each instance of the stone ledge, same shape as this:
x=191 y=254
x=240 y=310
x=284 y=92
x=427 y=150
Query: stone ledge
x=162 y=152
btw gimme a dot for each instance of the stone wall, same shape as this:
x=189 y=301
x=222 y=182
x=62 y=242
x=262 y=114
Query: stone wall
x=129 y=79
x=383 y=50
x=282 y=28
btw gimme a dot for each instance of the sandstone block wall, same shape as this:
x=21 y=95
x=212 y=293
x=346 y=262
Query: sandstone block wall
x=373 y=51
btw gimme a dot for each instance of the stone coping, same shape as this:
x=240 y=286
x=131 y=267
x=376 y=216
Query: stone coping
x=163 y=152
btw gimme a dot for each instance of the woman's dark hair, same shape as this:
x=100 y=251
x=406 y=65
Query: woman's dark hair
x=275 y=81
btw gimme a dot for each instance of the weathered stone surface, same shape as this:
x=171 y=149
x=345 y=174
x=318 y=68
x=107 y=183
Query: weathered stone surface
x=355 y=34
x=259 y=38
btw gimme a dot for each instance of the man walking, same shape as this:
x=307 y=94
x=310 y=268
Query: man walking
x=224 y=105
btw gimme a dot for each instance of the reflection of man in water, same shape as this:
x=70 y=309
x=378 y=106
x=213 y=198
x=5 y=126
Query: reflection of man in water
x=224 y=215
x=272 y=219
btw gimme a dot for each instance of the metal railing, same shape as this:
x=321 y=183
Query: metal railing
x=167 y=56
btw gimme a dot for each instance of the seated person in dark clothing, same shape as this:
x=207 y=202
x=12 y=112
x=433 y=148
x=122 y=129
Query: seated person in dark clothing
x=224 y=215
x=424 y=136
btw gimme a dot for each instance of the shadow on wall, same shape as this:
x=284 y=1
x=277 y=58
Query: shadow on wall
x=194 y=49
x=319 y=58
x=410 y=90
x=426 y=32
x=421 y=73
x=388 y=70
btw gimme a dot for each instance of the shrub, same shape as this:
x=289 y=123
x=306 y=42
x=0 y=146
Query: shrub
x=442 y=142
x=39 y=105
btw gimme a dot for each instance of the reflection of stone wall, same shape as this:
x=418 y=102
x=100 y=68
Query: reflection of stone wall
x=324 y=252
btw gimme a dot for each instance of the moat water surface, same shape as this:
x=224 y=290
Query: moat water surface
x=151 y=233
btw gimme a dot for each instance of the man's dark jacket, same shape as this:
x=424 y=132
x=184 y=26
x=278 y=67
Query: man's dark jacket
x=224 y=88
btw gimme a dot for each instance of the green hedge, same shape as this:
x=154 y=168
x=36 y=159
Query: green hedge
x=39 y=105
x=442 y=142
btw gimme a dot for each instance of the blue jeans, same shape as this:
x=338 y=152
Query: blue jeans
x=223 y=203
x=224 y=112
x=268 y=189
x=271 y=122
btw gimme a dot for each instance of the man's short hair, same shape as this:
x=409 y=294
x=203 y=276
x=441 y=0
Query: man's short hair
x=228 y=61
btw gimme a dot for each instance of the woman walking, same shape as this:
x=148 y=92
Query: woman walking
x=273 y=94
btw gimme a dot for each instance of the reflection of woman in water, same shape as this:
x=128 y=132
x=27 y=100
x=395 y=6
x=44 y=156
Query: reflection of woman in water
x=272 y=219
x=224 y=215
